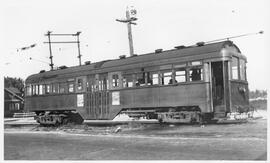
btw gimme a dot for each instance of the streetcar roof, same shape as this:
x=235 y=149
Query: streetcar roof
x=173 y=53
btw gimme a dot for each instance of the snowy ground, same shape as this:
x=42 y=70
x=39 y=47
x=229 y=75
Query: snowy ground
x=260 y=113
x=124 y=117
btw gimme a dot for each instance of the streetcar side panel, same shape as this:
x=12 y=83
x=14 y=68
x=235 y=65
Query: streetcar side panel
x=51 y=102
x=239 y=97
x=166 y=96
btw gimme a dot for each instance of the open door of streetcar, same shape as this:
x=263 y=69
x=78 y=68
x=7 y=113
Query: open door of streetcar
x=220 y=88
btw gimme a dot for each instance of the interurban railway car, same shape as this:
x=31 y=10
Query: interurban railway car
x=203 y=82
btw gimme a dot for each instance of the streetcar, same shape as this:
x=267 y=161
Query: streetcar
x=187 y=84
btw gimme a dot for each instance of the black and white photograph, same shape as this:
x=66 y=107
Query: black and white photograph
x=134 y=80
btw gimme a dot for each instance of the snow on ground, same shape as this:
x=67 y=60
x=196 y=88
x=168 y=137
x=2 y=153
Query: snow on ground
x=21 y=120
x=122 y=117
x=260 y=113
x=125 y=117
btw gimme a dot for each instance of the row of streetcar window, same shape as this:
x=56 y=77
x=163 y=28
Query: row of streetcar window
x=54 y=88
x=178 y=74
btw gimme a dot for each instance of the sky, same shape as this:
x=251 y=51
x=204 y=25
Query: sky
x=161 y=24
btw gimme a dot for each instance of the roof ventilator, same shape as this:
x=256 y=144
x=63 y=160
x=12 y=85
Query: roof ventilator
x=134 y=55
x=42 y=71
x=158 y=50
x=122 y=56
x=62 y=67
x=180 y=47
x=87 y=62
x=200 y=43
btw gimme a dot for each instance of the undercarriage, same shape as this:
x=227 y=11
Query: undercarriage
x=58 y=118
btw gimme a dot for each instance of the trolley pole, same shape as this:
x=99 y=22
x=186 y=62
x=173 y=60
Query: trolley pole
x=130 y=20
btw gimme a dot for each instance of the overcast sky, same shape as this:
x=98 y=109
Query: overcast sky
x=161 y=24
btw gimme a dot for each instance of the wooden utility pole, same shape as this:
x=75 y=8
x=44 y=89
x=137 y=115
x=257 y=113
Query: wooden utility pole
x=131 y=50
x=130 y=20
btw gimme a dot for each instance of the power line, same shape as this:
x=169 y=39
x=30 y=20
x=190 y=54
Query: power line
x=27 y=47
x=34 y=59
x=38 y=60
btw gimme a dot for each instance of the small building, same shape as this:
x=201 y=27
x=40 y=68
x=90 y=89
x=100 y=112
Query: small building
x=13 y=101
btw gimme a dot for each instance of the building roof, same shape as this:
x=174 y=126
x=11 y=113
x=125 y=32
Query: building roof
x=13 y=94
x=14 y=90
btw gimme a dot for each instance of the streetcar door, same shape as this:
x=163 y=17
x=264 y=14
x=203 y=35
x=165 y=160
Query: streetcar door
x=98 y=96
x=103 y=96
x=220 y=89
x=91 y=97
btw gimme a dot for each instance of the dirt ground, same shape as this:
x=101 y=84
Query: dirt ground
x=245 y=141
x=253 y=128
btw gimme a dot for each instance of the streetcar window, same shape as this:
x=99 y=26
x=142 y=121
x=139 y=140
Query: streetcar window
x=48 y=89
x=166 y=78
x=104 y=83
x=36 y=93
x=55 y=88
x=41 y=90
x=180 y=75
x=70 y=87
x=235 y=68
x=124 y=82
x=115 y=80
x=196 y=74
x=28 y=90
x=242 y=69
x=149 y=79
x=100 y=85
x=154 y=78
x=80 y=84
x=88 y=86
x=140 y=79
x=62 y=88
x=127 y=80
x=33 y=89
x=107 y=83
x=92 y=88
